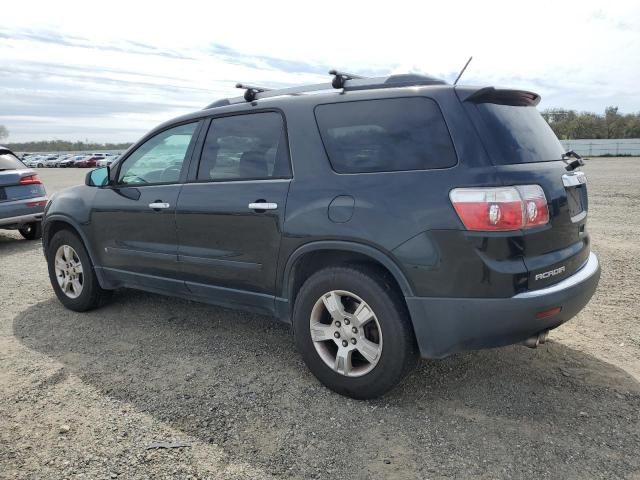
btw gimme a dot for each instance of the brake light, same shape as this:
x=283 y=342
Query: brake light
x=501 y=208
x=30 y=180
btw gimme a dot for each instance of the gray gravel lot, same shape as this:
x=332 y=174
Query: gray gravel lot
x=83 y=395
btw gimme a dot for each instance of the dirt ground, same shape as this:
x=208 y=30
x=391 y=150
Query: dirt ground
x=84 y=395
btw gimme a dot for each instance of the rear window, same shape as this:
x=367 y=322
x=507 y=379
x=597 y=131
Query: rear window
x=514 y=134
x=385 y=135
x=8 y=161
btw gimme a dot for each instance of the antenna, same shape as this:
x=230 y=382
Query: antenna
x=462 y=71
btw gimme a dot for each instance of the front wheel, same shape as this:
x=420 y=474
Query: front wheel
x=71 y=273
x=353 y=331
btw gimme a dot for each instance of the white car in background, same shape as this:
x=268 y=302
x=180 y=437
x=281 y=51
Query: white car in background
x=105 y=162
x=53 y=161
x=32 y=161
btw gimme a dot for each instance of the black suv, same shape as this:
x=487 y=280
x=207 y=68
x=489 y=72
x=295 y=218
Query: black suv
x=385 y=219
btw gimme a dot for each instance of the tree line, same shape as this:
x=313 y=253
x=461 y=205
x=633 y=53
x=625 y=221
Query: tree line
x=573 y=125
x=64 y=146
x=567 y=125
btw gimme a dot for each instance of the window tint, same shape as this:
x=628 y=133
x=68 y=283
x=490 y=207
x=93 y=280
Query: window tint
x=514 y=134
x=159 y=159
x=385 y=135
x=8 y=161
x=245 y=147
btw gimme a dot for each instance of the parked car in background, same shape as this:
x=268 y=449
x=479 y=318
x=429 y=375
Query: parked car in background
x=54 y=163
x=41 y=161
x=105 y=162
x=70 y=162
x=22 y=197
x=50 y=160
x=87 y=162
x=32 y=162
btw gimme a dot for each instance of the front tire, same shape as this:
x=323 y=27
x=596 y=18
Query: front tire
x=31 y=231
x=353 y=331
x=72 y=274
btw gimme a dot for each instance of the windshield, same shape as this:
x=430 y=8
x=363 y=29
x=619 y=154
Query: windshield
x=515 y=134
x=8 y=161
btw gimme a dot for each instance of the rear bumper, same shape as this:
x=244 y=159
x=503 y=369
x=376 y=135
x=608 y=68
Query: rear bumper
x=17 y=212
x=444 y=326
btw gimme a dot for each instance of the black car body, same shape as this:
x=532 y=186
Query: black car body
x=22 y=196
x=392 y=175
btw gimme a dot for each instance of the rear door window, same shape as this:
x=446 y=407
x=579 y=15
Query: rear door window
x=385 y=135
x=515 y=134
x=245 y=147
x=8 y=161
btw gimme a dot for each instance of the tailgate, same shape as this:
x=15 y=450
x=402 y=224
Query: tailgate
x=556 y=250
x=525 y=151
x=11 y=189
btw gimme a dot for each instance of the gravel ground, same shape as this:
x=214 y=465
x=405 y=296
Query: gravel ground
x=84 y=395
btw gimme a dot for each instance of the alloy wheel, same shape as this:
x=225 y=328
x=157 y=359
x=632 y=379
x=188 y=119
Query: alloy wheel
x=69 y=272
x=346 y=333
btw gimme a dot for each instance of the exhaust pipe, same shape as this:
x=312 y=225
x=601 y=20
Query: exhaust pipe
x=534 y=341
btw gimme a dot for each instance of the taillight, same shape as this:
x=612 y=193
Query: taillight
x=30 y=180
x=501 y=208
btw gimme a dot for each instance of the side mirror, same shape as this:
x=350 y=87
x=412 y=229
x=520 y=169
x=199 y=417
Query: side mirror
x=97 y=178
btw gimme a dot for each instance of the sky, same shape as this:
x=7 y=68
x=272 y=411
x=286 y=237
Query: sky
x=110 y=71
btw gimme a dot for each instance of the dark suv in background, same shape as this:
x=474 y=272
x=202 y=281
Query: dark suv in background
x=385 y=219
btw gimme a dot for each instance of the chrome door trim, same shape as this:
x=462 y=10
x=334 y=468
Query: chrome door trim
x=263 y=206
x=159 y=205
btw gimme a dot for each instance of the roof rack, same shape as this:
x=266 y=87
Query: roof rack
x=251 y=91
x=341 y=80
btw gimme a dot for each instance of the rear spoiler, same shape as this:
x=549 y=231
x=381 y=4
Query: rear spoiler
x=515 y=98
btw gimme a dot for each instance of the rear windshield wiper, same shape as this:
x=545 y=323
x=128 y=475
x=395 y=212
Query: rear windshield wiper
x=573 y=164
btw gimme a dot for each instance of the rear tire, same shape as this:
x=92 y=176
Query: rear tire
x=372 y=349
x=31 y=231
x=72 y=274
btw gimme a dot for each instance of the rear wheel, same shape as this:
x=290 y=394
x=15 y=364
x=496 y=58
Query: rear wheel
x=353 y=331
x=72 y=275
x=31 y=231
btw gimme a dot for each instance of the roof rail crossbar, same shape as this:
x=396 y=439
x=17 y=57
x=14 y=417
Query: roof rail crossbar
x=352 y=83
x=251 y=91
x=259 y=92
x=340 y=78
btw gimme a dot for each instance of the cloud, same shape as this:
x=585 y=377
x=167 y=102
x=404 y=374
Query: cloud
x=100 y=73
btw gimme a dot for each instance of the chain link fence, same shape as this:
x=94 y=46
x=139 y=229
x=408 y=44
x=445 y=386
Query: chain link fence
x=604 y=147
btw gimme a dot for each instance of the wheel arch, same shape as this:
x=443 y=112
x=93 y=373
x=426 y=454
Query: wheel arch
x=54 y=224
x=304 y=260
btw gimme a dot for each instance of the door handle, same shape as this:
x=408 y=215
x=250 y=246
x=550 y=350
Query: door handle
x=159 y=205
x=263 y=206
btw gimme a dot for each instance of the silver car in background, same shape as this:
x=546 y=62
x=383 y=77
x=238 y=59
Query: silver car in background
x=22 y=197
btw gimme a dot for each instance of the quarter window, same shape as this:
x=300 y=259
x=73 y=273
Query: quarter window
x=251 y=146
x=8 y=161
x=385 y=135
x=160 y=159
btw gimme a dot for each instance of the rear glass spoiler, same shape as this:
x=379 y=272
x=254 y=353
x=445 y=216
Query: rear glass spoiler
x=498 y=96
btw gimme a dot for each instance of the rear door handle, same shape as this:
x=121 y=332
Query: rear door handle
x=263 y=206
x=159 y=205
